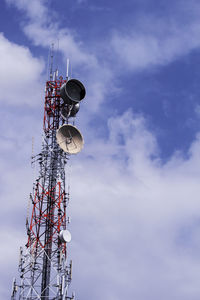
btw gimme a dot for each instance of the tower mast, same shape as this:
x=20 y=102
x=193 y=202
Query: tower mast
x=44 y=269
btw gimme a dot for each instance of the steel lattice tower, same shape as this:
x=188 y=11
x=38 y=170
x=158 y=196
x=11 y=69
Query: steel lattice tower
x=45 y=272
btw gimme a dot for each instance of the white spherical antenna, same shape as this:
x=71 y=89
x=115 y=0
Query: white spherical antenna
x=69 y=139
x=65 y=236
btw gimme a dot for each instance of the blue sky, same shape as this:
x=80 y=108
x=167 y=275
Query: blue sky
x=135 y=186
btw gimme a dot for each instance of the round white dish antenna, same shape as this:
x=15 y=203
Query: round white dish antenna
x=69 y=139
x=65 y=236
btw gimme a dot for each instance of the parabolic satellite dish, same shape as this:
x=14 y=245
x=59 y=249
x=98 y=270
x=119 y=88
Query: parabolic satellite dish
x=69 y=139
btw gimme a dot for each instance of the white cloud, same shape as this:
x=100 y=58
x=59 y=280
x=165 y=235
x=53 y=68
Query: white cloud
x=134 y=220
x=20 y=78
x=153 y=41
x=99 y=78
x=67 y=44
x=35 y=9
x=130 y=214
x=42 y=30
x=129 y=211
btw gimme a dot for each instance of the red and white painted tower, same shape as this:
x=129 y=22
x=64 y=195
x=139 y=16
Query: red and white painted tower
x=45 y=272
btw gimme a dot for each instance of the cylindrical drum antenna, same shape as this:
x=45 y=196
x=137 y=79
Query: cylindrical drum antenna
x=72 y=91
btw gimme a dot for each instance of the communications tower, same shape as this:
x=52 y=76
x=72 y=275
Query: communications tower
x=45 y=272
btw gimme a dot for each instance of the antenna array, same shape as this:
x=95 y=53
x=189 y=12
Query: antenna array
x=45 y=272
